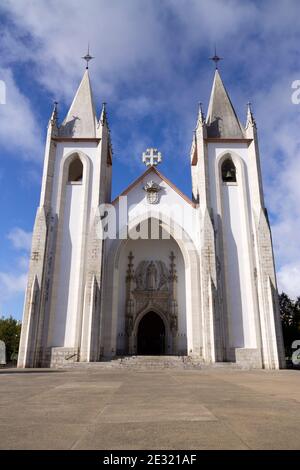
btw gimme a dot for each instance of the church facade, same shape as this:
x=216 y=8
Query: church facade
x=153 y=271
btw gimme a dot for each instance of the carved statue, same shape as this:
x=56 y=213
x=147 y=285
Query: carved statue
x=129 y=324
x=163 y=276
x=151 y=278
x=140 y=275
x=157 y=271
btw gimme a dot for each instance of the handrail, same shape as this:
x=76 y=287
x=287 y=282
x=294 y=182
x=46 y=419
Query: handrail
x=71 y=357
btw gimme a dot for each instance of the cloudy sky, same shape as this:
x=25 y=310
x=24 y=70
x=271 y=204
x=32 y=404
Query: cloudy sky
x=151 y=66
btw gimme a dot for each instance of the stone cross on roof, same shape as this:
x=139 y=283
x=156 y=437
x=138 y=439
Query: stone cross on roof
x=151 y=157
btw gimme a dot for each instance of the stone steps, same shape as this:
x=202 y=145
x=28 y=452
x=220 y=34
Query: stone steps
x=154 y=362
x=149 y=363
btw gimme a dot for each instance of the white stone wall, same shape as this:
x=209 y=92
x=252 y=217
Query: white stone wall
x=62 y=151
x=239 y=299
x=231 y=202
x=215 y=150
x=69 y=283
x=171 y=206
x=71 y=203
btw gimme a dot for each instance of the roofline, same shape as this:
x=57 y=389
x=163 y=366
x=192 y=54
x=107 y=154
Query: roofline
x=228 y=139
x=76 y=139
x=166 y=180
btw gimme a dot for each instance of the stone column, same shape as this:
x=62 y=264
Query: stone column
x=129 y=305
x=173 y=306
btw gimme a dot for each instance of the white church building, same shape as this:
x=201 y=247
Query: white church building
x=152 y=272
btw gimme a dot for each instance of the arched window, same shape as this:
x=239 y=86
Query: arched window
x=75 y=171
x=228 y=171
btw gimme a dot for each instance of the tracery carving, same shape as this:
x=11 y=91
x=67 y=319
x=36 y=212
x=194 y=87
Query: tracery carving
x=151 y=285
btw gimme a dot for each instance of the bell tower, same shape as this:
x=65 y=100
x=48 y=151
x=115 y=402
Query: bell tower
x=61 y=312
x=237 y=265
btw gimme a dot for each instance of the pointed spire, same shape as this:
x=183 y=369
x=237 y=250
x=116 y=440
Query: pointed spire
x=103 y=129
x=250 y=118
x=81 y=119
x=201 y=117
x=193 y=151
x=54 y=116
x=103 y=115
x=222 y=120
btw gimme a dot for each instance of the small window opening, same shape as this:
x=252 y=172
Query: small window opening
x=75 y=171
x=228 y=171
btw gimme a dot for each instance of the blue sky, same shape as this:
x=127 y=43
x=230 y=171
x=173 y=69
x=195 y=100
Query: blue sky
x=151 y=67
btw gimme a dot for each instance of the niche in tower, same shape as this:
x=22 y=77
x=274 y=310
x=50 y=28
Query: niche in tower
x=75 y=171
x=228 y=171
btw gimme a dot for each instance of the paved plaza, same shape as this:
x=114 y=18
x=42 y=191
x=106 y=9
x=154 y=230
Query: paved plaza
x=98 y=408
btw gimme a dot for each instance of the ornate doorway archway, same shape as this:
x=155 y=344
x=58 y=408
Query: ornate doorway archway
x=143 y=292
x=151 y=335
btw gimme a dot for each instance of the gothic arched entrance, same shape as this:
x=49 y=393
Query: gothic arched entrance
x=151 y=335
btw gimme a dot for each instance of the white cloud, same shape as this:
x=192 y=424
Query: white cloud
x=13 y=281
x=279 y=122
x=11 y=284
x=117 y=33
x=20 y=239
x=12 y=288
x=289 y=280
x=19 y=130
x=23 y=262
x=155 y=47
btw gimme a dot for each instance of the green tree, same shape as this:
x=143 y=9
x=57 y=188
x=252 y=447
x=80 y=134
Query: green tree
x=10 y=330
x=290 y=319
x=297 y=314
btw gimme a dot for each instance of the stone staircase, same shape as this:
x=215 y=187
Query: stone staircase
x=158 y=362
x=149 y=363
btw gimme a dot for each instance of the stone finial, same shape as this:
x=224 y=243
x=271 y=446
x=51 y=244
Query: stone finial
x=53 y=121
x=200 y=117
x=130 y=270
x=250 y=118
x=103 y=115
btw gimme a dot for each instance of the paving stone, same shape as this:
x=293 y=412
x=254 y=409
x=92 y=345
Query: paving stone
x=156 y=409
